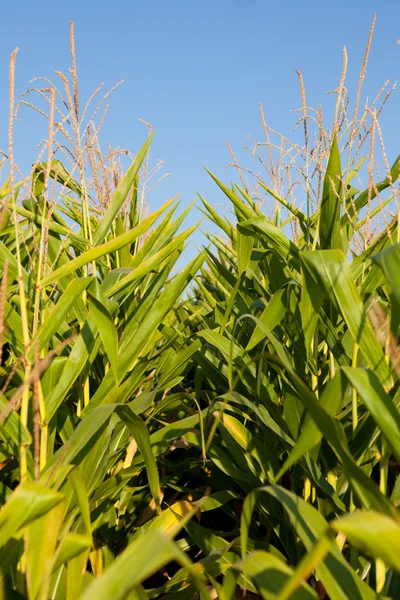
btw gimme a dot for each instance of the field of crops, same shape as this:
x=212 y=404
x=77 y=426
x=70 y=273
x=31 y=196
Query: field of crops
x=229 y=429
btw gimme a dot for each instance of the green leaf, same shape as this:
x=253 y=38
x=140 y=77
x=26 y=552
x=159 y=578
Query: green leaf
x=71 y=545
x=370 y=194
x=37 y=218
x=308 y=564
x=311 y=435
x=41 y=540
x=389 y=261
x=121 y=195
x=374 y=533
x=134 y=565
x=366 y=489
x=75 y=568
x=93 y=426
x=271 y=316
x=295 y=211
x=76 y=480
x=51 y=325
x=239 y=205
x=270 y=575
x=12 y=430
x=112 y=246
x=331 y=271
x=7 y=256
x=152 y=263
x=28 y=502
x=244 y=248
x=248 y=442
x=274 y=238
x=77 y=360
x=57 y=172
x=379 y=404
x=218 y=220
x=329 y=224
x=310 y=306
x=107 y=331
x=139 y=431
x=134 y=339
x=339 y=579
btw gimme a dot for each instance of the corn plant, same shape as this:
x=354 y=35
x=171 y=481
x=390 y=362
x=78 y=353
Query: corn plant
x=310 y=378
x=229 y=430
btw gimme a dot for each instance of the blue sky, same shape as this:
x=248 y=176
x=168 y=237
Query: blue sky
x=197 y=71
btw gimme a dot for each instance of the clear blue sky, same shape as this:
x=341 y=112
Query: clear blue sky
x=197 y=71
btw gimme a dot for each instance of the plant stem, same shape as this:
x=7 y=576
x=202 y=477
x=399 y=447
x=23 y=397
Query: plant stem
x=354 y=391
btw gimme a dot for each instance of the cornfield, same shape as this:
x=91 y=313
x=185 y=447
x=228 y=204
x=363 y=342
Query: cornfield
x=229 y=430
